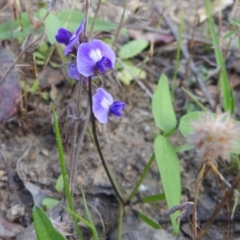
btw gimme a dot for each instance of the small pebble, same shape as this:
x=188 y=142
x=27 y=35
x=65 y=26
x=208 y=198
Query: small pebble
x=15 y=212
x=45 y=152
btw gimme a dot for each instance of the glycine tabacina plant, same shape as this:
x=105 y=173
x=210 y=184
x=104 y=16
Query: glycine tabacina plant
x=92 y=58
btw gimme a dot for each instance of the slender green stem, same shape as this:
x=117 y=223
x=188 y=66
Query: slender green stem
x=120 y=221
x=145 y=172
x=89 y=217
x=194 y=99
x=198 y=185
x=110 y=177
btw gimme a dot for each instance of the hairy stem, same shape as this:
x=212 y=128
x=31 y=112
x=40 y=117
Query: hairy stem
x=198 y=185
x=73 y=160
x=110 y=177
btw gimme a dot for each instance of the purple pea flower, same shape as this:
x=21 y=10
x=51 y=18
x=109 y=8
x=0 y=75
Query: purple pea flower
x=94 y=56
x=104 y=105
x=71 y=41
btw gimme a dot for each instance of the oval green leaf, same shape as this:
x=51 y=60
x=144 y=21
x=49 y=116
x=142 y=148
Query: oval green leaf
x=169 y=168
x=52 y=24
x=185 y=125
x=43 y=226
x=162 y=108
x=132 y=48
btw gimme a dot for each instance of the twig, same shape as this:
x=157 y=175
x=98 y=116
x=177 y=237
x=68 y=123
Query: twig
x=95 y=17
x=227 y=196
x=193 y=67
x=75 y=146
x=23 y=51
x=120 y=24
x=81 y=137
x=73 y=162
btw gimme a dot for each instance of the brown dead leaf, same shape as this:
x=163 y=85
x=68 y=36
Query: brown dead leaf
x=8 y=230
x=10 y=90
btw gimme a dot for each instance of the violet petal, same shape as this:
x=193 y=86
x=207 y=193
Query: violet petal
x=116 y=108
x=73 y=72
x=102 y=101
x=74 y=40
x=63 y=36
x=93 y=56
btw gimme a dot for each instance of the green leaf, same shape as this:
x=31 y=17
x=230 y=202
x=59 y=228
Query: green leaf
x=169 y=168
x=89 y=217
x=148 y=220
x=51 y=24
x=185 y=125
x=153 y=198
x=183 y=148
x=59 y=186
x=227 y=92
x=17 y=28
x=34 y=87
x=49 y=202
x=127 y=75
x=229 y=34
x=162 y=108
x=45 y=96
x=71 y=20
x=43 y=226
x=132 y=48
x=235 y=21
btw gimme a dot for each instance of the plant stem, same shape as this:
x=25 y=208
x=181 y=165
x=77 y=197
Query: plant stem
x=73 y=160
x=95 y=17
x=145 y=172
x=64 y=173
x=198 y=185
x=120 y=24
x=120 y=221
x=110 y=177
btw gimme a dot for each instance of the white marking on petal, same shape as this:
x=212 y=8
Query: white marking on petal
x=95 y=55
x=105 y=103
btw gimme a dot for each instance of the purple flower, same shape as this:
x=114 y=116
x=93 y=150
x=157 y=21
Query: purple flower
x=103 y=106
x=71 y=41
x=94 y=56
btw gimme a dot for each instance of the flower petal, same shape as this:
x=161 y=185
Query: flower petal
x=73 y=72
x=63 y=36
x=93 y=56
x=106 y=51
x=116 y=108
x=85 y=65
x=102 y=101
x=74 y=40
